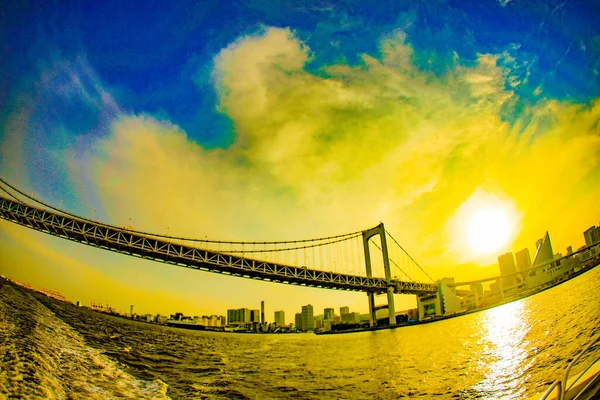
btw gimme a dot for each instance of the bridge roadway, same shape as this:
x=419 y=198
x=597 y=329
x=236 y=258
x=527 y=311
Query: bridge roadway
x=110 y=237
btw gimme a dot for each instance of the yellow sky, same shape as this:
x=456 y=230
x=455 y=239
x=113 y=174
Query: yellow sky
x=317 y=156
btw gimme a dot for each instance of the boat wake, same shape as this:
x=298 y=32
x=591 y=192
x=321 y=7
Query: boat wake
x=41 y=356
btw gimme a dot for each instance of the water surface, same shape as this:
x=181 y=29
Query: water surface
x=51 y=349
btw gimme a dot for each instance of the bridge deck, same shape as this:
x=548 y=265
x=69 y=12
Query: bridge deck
x=119 y=240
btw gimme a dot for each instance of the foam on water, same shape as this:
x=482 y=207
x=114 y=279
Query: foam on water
x=41 y=356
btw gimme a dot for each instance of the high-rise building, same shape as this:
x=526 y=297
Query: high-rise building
x=592 y=235
x=254 y=316
x=279 y=318
x=262 y=312
x=523 y=259
x=308 y=320
x=344 y=310
x=238 y=316
x=352 y=317
x=507 y=269
x=298 y=321
x=329 y=314
x=543 y=253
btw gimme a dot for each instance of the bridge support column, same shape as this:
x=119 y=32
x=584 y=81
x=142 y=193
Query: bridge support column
x=367 y=235
x=372 y=311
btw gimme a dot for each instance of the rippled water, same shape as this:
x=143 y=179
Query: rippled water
x=50 y=349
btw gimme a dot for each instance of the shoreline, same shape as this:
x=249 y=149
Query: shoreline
x=460 y=314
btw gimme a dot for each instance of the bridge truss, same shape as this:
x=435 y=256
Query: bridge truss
x=161 y=249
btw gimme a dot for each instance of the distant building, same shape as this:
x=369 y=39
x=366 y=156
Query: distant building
x=344 y=310
x=352 y=317
x=298 y=321
x=592 y=235
x=254 y=316
x=280 y=318
x=329 y=314
x=308 y=320
x=523 y=259
x=213 y=320
x=177 y=316
x=262 y=312
x=238 y=316
x=543 y=253
x=507 y=269
x=444 y=302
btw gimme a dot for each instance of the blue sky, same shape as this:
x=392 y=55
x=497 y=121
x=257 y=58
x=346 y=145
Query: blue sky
x=301 y=101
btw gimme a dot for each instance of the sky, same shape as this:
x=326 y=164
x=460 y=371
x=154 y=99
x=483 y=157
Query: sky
x=470 y=128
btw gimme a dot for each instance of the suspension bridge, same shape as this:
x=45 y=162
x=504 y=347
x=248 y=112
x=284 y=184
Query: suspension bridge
x=343 y=262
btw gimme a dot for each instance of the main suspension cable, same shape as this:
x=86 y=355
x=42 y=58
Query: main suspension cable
x=342 y=237
x=412 y=259
x=393 y=262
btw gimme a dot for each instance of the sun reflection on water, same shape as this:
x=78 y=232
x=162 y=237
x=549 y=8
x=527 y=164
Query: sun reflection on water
x=505 y=352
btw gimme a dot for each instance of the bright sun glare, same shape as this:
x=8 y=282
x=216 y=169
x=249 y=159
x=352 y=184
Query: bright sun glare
x=488 y=229
x=483 y=226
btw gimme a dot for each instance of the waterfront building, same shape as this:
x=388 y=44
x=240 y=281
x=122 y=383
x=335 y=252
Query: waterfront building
x=353 y=318
x=298 y=321
x=307 y=318
x=148 y=318
x=507 y=269
x=444 y=302
x=523 y=259
x=592 y=235
x=279 y=318
x=177 y=316
x=213 y=320
x=329 y=314
x=344 y=310
x=543 y=253
x=238 y=316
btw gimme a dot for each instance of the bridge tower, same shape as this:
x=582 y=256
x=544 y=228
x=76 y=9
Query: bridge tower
x=367 y=235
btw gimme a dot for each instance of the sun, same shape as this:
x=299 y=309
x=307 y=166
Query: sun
x=483 y=226
x=488 y=229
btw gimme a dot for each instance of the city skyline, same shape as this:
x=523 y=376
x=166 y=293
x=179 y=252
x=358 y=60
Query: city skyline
x=293 y=123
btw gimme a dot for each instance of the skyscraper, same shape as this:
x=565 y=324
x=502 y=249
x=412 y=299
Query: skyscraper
x=279 y=318
x=328 y=314
x=344 y=310
x=543 y=253
x=592 y=235
x=262 y=312
x=298 y=321
x=238 y=316
x=523 y=259
x=308 y=320
x=507 y=269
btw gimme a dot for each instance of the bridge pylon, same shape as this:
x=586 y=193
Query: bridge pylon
x=367 y=235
